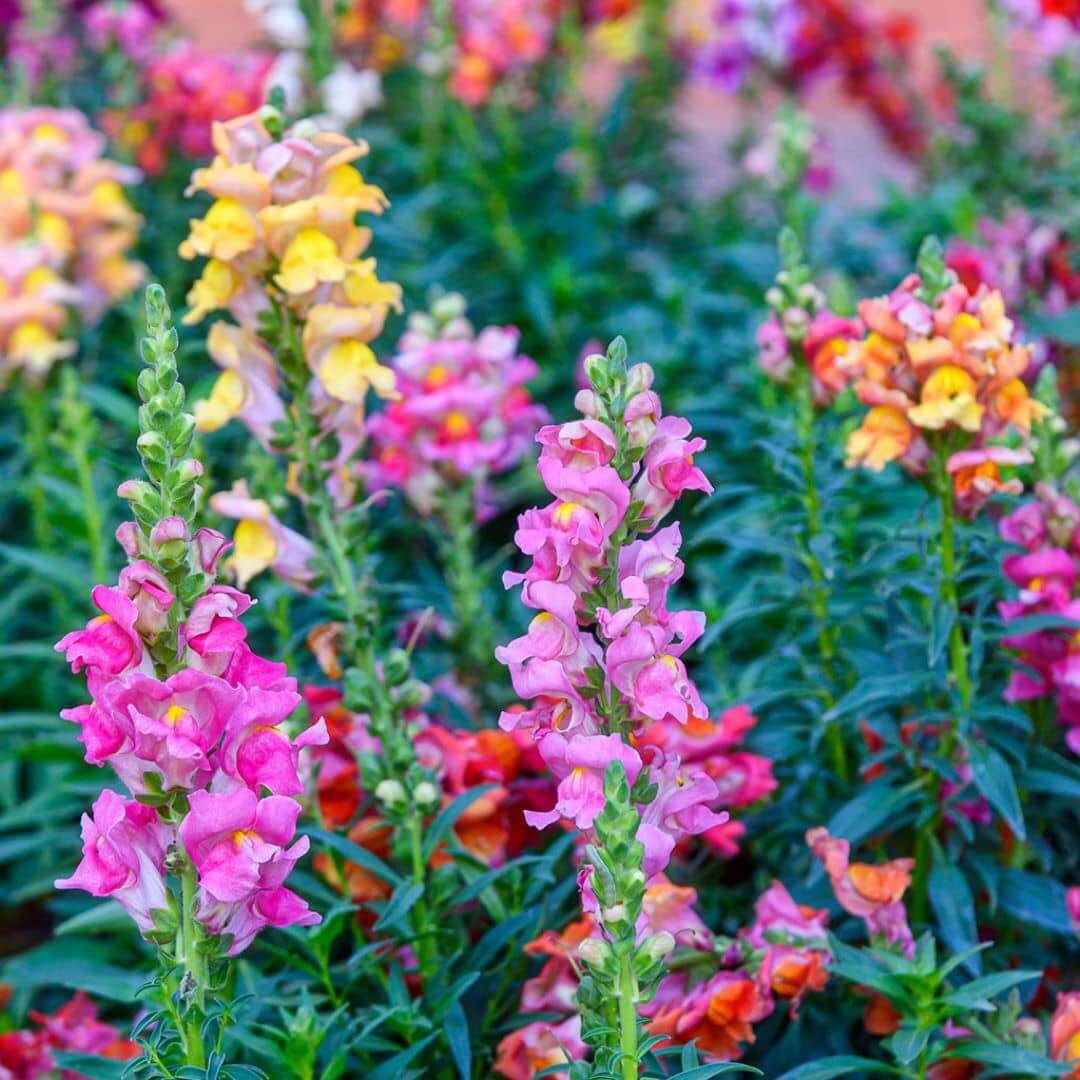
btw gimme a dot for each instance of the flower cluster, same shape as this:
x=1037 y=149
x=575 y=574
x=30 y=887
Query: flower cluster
x=1045 y=573
x=496 y=40
x=344 y=92
x=74 y=1027
x=604 y=654
x=186 y=90
x=1056 y=25
x=286 y=258
x=941 y=370
x=463 y=413
x=721 y=989
x=184 y=712
x=1029 y=262
x=793 y=42
x=66 y=230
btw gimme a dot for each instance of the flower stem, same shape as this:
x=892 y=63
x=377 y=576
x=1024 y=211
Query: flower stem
x=819 y=593
x=425 y=946
x=628 y=1018
x=194 y=964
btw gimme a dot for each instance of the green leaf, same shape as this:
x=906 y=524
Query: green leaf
x=980 y=991
x=355 y=853
x=994 y=779
x=1034 y=899
x=393 y=1068
x=456 y=1026
x=441 y=826
x=400 y=903
x=1014 y=1059
x=108 y=917
x=954 y=907
x=840 y=1065
x=908 y=1043
x=91 y=1066
x=704 y=1072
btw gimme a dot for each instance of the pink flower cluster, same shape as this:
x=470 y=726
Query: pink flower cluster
x=873 y=892
x=463 y=413
x=1045 y=573
x=198 y=743
x=1056 y=25
x=604 y=651
x=66 y=228
x=714 y=1001
x=186 y=90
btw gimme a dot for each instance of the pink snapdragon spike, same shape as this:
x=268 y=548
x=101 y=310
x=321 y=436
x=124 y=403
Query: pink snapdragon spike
x=602 y=665
x=188 y=717
x=1045 y=575
x=462 y=413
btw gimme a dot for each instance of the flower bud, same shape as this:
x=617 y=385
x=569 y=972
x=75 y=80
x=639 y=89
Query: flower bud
x=594 y=952
x=658 y=946
x=426 y=796
x=392 y=793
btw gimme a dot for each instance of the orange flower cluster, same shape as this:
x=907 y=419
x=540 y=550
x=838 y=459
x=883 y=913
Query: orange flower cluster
x=941 y=374
x=66 y=230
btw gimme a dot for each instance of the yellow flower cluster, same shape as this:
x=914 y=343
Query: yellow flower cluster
x=281 y=236
x=66 y=231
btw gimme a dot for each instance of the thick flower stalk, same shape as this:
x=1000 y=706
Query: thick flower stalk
x=190 y=721
x=942 y=373
x=601 y=661
x=66 y=231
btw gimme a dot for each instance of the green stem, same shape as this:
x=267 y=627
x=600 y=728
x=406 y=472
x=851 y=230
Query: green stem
x=92 y=512
x=628 y=1017
x=426 y=954
x=819 y=591
x=193 y=961
x=959 y=676
x=36 y=412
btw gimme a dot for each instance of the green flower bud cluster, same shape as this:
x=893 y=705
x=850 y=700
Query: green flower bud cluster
x=934 y=276
x=794 y=296
x=620 y=974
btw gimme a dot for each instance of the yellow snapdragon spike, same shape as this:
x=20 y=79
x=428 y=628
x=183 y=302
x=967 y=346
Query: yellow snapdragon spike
x=311 y=258
x=885 y=435
x=228 y=230
x=216 y=286
x=948 y=397
x=347 y=369
x=225 y=402
x=254 y=549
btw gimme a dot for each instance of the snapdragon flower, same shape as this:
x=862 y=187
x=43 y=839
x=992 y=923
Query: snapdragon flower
x=66 y=230
x=186 y=715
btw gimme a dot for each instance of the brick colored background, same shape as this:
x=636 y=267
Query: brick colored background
x=860 y=158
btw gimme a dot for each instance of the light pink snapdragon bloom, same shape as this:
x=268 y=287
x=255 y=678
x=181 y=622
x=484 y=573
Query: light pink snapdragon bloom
x=124 y=847
x=604 y=657
x=239 y=845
